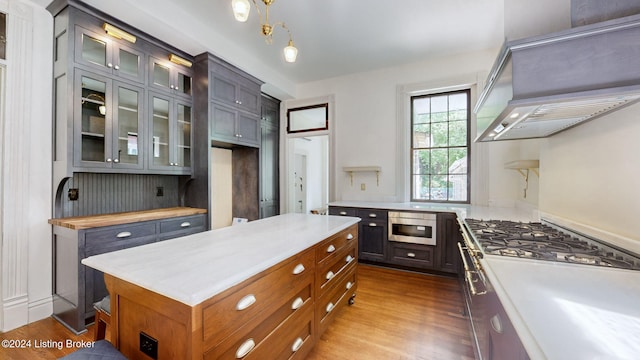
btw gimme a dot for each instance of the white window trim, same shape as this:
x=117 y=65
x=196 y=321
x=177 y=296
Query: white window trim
x=404 y=92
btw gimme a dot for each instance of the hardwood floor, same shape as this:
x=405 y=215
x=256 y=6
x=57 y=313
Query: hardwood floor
x=397 y=315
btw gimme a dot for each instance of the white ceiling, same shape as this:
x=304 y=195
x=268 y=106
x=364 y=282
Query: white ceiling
x=334 y=37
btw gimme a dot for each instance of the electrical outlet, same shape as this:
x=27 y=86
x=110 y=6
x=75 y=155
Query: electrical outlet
x=148 y=346
x=363 y=186
x=74 y=194
x=159 y=191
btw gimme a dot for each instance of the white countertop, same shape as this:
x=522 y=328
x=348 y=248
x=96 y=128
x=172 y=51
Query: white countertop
x=569 y=311
x=463 y=211
x=194 y=268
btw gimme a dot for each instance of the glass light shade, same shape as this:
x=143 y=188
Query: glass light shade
x=102 y=109
x=241 y=9
x=290 y=52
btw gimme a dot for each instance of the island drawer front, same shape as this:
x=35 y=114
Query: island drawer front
x=257 y=298
x=99 y=237
x=329 y=304
x=261 y=333
x=328 y=272
x=182 y=224
x=335 y=243
x=342 y=211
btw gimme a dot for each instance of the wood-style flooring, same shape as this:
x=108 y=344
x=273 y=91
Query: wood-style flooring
x=397 y=315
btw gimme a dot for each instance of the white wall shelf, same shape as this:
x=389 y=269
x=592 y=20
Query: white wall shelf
x=352 y=169
x=523 y=167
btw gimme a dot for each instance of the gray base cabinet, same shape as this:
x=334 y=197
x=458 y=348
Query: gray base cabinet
x=374 y=245
x=77 y=287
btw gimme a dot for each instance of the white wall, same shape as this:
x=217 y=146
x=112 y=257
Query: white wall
x=25 y=256
x=366 y=129
x=590 y=173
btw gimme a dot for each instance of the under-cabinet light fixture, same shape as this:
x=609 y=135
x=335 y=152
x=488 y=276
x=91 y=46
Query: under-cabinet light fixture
x=118 y=33
x=180 y=61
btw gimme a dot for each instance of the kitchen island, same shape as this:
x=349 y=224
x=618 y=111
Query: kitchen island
x=232 y=292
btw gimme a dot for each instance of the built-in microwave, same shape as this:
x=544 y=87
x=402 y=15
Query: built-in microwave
x=415 y=228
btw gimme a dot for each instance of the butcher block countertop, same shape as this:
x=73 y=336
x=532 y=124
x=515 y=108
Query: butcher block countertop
x=92 y=221
x=193 y=268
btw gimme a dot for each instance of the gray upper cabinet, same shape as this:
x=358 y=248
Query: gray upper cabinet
x=104 y=119
x=170 y=78
x=108 y=123
x=234 y=126
x=235 y=90
x=99 y=52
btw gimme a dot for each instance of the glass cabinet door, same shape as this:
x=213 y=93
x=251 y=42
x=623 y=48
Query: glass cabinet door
x=128 y=119
x=93 y=122
x=93 y=49
x=169 y=77
x=160 y=131
x=183 y=142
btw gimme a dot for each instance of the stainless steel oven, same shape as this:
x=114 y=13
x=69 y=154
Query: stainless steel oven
x=415 y=228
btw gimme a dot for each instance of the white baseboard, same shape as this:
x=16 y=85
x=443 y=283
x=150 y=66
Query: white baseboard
x=40 y=309
x=15 y=312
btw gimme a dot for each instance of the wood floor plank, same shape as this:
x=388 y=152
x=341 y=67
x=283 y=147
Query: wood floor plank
x=397 y=315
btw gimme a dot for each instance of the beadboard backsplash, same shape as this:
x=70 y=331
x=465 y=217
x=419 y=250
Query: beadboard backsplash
x=110 y=193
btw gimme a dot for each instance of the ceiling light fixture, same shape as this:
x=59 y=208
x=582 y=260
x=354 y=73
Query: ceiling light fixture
x=241 y=9
x=118 y=33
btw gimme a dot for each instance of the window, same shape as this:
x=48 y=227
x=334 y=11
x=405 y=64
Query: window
x=440 y=147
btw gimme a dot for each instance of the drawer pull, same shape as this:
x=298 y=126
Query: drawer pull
x=348 y=259
x=185 y=224
x=349 y=285
x=372 y=224
x=373 y=215
x=297 y=344
x=411 y=255
x=245 y=348
x=124 y=234
x=330 y=307
x=343 y=213
x=299 y=269
x=350 y=237
x=330 y=275
x=245 y=302
x=331 y=248
x=297 y=303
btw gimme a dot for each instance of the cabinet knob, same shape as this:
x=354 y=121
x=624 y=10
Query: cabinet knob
x=348 y=259
x=185 y=224
x=331 y=248
x=297 y=344
x=109 y=160
x=124 y=234
x=343 y=213
x=350 y=237
x=373 y=215
x=329 y=307
x=246 y=302
x=239 y=135
x=299 y=269
x=373 y=224
x=117 y=67
x=297 y=303
x=109 y=65
x=349 y=285
x=411 y=255
x=245 y=348
x=172 y=87
x=116 y=160
x=330 y=275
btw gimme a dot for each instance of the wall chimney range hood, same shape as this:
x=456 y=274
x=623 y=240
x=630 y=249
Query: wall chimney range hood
x=542 y=85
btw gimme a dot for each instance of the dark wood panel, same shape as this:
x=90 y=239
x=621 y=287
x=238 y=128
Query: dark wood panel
x=245 y=182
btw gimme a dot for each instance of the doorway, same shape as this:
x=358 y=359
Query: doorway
x=309 y=175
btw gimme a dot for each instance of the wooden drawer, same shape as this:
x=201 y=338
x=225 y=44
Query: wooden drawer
x=415 y=255
x=295 y=336
x=182 y=223
x=342 y=211
x=336 y=243
x=372 y=214
x=104 y=235
x=329 y=304
x=330 y=270
x=257 y=301
x=291 y=307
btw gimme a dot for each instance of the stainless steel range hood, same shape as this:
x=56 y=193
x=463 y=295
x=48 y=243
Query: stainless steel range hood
x=546 y=84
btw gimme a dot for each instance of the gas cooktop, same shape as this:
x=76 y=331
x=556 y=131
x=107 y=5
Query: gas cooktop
x=544 y=241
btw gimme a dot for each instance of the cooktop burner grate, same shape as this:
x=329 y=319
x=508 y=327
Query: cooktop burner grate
x=542 y=241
